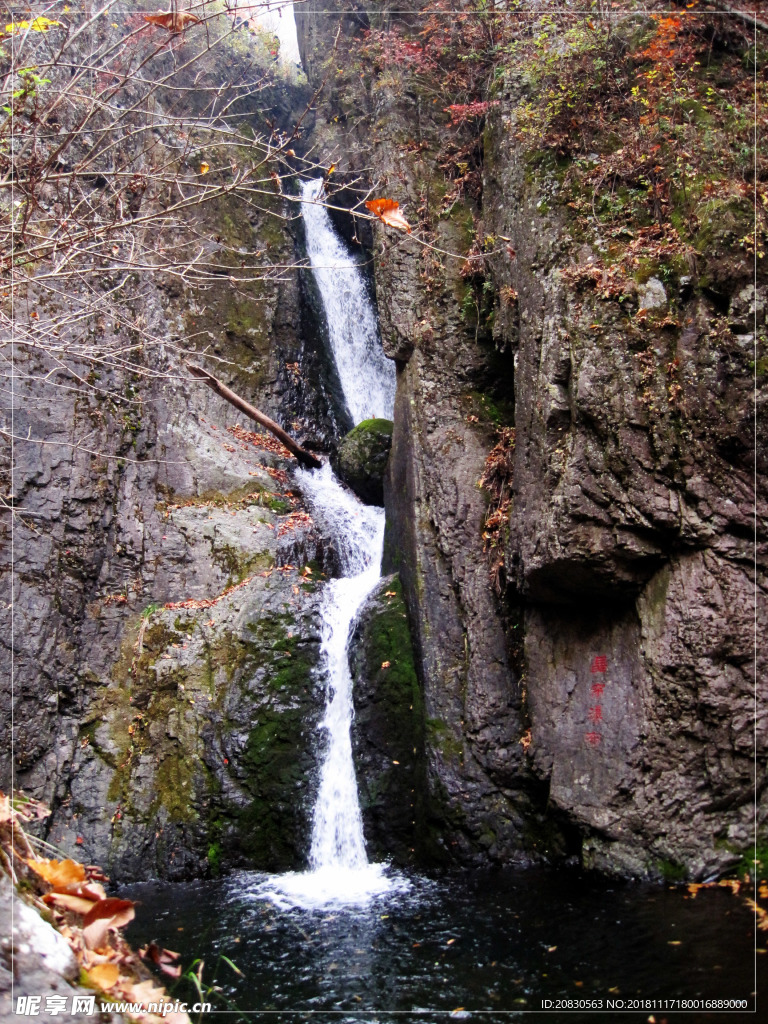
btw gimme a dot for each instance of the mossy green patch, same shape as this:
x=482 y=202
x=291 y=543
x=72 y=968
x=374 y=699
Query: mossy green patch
x=388 y=642
x=276 y=782
x=442 y=738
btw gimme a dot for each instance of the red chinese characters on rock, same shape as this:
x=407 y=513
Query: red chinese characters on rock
x=599 y=665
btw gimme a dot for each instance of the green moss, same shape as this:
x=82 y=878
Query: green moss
x=214 y=858
x=671 y=871
x=275 y=779
x=239 y=564
x=174 y=775
x=723 y=221
x=293 y=666
x=545 y=163
x=278 y=505
x=493 y=410
x=250 y=494
x=388 y=641
x=691 y=109
x=362 y=458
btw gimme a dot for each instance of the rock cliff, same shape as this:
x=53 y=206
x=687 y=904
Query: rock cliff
x=165 y=622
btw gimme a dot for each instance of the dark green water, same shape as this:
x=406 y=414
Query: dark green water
x=494 y=945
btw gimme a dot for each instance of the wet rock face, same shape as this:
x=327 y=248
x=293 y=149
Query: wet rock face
x=180 y=739
x=361 y=459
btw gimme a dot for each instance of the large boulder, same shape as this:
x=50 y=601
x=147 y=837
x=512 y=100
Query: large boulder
x=362 y=458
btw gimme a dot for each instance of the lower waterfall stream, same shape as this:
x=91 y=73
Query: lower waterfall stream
x=353 y=941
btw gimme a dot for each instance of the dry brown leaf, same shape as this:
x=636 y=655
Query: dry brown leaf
x=388 y=211
x=145 y=992
x=164 y=958
x=104 y=916
x=104 y=976
x=58 y=873
x=69 y=901
x=88 y=891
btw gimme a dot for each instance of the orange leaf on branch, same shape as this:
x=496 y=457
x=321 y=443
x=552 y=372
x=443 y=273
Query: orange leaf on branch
x=388 y=211
x=174 y=21
x=59 y=873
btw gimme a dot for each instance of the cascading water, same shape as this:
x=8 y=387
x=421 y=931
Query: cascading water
x=339 y=868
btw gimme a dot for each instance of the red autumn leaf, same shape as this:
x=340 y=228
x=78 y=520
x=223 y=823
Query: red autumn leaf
x=388 y=211
x=174 y=21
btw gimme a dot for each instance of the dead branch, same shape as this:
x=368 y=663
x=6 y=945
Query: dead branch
x=304 y=457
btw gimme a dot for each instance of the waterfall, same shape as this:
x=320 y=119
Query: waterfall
x=339 y=869
x=367 y=376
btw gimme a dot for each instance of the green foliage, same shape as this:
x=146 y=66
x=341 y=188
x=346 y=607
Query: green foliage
x=205 y=986
x=754 y=863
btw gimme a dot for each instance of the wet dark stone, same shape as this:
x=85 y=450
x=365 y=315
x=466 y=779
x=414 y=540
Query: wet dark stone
x=361 y=460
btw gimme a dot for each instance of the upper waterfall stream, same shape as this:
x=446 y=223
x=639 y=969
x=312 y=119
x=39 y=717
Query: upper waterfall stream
x=367 y=376
x=339 y=868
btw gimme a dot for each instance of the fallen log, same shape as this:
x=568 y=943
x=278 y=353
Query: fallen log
x=746 y=16
x=305 y=458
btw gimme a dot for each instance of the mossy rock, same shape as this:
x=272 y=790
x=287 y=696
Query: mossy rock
x=388 y=731
x=362 y=457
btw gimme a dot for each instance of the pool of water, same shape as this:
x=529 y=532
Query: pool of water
x=487 y=947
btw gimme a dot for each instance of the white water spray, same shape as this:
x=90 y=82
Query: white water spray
x=339 y=869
